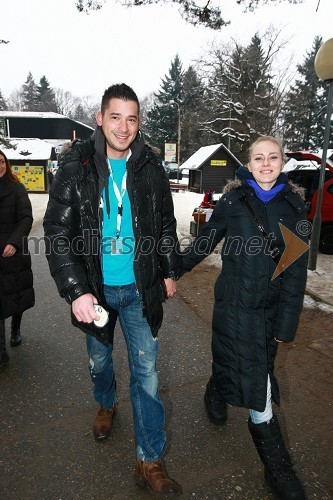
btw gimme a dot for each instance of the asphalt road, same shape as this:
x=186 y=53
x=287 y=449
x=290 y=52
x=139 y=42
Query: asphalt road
x=47 y=408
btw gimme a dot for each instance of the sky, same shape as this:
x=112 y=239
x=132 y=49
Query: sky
x=84 y=54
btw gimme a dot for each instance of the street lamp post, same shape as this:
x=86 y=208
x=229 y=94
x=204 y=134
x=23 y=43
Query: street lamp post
x=324 y=70
x=178 y=145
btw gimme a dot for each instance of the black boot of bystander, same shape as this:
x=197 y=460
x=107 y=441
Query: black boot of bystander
x=15 y=338
x=4 y=358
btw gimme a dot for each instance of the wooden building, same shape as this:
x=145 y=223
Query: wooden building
x=30 y=161
x=210 y=168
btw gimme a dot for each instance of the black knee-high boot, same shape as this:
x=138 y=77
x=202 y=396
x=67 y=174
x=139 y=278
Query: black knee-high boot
x=4 y=358
x=279 y=472
x=15 y=338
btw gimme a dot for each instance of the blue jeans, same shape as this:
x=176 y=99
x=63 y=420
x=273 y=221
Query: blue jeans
x=259 y=417
x=142 y=350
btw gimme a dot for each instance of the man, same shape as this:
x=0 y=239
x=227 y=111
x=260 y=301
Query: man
x=112 y=241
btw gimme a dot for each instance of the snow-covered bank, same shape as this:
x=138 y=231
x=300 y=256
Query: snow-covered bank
x=185 y=203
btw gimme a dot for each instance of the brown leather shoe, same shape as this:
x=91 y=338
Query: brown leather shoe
x=154 y=476
x=103 y=423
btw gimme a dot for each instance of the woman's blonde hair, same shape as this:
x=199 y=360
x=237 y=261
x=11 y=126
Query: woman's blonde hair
x=264 y=138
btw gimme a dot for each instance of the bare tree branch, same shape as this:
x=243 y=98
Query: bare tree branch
x=208 y=16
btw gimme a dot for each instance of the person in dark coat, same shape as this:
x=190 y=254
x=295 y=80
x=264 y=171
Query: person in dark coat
x=16 y=279
x=256 y=305
x=112 y=234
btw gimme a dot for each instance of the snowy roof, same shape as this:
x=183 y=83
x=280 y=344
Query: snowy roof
x=30 y=114
x=28 y=149
x=203 y=154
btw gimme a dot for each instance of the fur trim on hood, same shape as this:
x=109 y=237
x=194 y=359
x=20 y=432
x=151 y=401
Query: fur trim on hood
x=66 y=146
x=236 y=183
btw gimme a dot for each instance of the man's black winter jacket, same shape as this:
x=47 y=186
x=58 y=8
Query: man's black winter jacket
x=72 y=225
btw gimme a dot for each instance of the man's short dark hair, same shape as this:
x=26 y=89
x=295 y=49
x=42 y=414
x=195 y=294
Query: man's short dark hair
x=119 y=91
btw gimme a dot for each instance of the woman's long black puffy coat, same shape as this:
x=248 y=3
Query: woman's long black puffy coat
x=250 y=308
x=72 y=226
x=16 y=278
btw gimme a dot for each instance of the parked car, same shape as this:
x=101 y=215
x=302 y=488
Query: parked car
x=304 y=169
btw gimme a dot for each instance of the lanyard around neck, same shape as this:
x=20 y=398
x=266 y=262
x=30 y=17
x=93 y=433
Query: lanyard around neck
x=119 y=195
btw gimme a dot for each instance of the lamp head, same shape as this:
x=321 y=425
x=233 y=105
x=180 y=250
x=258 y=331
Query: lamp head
x=324 y=61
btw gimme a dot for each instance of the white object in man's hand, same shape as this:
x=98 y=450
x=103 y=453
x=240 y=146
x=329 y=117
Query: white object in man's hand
x=103 y=316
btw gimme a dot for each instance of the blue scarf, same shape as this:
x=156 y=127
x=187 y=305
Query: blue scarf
x=262 y=194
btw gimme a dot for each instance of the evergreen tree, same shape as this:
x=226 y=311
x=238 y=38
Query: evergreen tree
x=257 y=89
x=305 y=106
x=85 y=110
x=45 y=96
x=193 y=112
x=29 y=94
x=162 y=120
x=79 y=113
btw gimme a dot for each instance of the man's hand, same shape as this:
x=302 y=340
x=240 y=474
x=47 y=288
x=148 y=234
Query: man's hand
x=83 y=308
x=170 y=287
x=9 y=251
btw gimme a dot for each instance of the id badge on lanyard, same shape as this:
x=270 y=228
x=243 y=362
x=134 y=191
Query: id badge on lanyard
x=119 y=195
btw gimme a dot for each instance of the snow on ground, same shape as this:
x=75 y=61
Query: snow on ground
x=184 y=204
x=310 y=303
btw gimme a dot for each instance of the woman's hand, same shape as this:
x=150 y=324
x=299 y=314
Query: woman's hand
x=9 y=251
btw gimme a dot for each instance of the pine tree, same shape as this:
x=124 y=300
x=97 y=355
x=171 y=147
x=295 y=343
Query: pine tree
x=45 y=96
x=79 y=113
x=162 y=120
x=194 y=110
x=257 y=90
x=29 y=94
x=305 y=106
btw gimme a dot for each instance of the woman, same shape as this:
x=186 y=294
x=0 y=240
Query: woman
x=16 y=280
x=254 y=310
